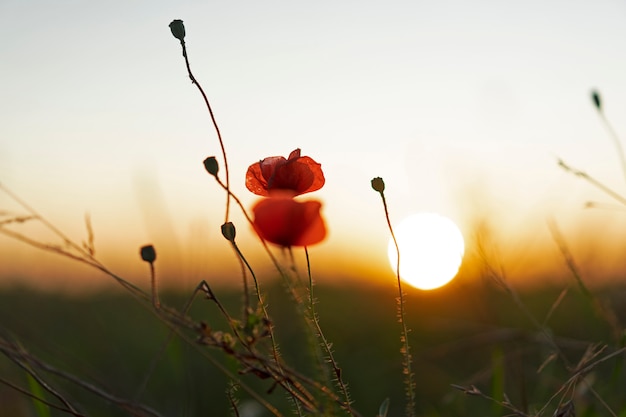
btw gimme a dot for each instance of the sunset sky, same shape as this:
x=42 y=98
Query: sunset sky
x=462 y=107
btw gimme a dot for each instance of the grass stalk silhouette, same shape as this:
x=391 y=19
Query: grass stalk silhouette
x=597 y=101
x=600 y=309
x=599 y=185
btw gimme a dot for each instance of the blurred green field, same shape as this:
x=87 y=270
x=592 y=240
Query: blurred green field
x=463 y=334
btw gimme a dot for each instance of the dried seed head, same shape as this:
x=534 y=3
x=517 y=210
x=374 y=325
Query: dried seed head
x=378 y=184
x=211 y=165
x=229 y=232
x=148 y=253
x=178 y=29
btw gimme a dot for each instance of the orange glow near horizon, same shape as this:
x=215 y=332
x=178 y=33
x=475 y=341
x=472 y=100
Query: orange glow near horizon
x=528 y=258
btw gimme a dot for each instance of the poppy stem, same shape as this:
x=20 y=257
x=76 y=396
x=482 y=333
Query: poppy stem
x=217 y=129
x=327 y=346
x=249 y=220
x=404 y=338
x=155 y=293
x=275 y=352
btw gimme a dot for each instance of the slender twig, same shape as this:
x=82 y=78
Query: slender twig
x=217 y=129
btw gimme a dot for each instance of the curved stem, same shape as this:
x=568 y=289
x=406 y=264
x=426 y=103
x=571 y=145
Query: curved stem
x=601 y=186
x=616 y=142
x=410 y=392
x=217 y=129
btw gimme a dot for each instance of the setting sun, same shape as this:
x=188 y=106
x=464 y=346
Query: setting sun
x=431 y=250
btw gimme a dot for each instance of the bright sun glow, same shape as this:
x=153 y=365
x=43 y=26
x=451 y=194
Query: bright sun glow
x=431 y=250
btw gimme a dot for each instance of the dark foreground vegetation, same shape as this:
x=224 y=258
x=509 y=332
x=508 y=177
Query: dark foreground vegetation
x=469 y=342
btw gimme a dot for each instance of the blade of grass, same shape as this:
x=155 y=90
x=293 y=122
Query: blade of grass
x=41 y=408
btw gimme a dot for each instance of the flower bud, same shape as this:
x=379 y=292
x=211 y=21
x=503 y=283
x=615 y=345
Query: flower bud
x=211 y=165
x=178 y=29
x=378 y=184
x=228 y=231
x=148 y=253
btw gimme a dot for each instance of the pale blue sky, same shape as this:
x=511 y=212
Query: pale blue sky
x=461 y=106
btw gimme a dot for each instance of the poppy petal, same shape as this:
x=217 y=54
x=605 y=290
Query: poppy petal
x=299 y=174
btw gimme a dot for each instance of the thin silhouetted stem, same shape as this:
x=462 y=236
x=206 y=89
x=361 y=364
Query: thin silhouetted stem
x=275 y=352
x=261 y=303
x=251 y=222
x=410 y=391
x=600 y=309
x=82 y=255
x=155 y=293
x=217 y=129
x=327 y=346
x=593 y=182
x=170 y=337
x=617 y=143
x=66 y=240
x=614 y=137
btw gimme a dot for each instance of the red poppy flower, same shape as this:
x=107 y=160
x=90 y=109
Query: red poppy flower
x=287 y=222
x=297 y=174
